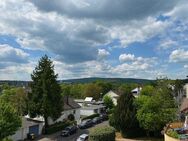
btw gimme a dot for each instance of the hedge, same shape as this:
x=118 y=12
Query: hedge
x=173 y=134
x=102 y=133
x=57 y=127
x=91 y=116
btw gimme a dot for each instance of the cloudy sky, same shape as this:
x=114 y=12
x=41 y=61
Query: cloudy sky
x=95 y=38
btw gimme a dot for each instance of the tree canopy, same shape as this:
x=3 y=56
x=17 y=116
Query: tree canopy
x=10 y=120
x=45 y=99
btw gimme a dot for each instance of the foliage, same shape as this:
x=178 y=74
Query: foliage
x=7 y=139
x=93 y=90
x=124 y=116
x=126 y=88
x=45 y=99
x=102 y=133
x=156 y=110
x=57 y=127
x=91 y=116
x=147 y=90
x=10 y=120
x=108 y=102
x=172 y=134
x=17 y=97
x=71 y=117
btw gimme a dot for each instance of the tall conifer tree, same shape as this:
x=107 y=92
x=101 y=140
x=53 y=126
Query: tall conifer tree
x=45 y=99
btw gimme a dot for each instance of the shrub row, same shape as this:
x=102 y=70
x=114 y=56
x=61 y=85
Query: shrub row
x=102 y=133
x=91 y=116
x=57 y=127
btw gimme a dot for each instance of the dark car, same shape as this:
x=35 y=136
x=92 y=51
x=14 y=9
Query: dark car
x=86 y=123
x=104 y=117
x=69 y=131
x=97 y=120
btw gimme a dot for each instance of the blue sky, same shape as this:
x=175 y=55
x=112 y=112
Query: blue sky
x=84 y=38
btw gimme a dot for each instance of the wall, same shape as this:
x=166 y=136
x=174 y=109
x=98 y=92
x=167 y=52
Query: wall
x=186 y=89
x=65 y=114
x=86 y=112
x=21 y=134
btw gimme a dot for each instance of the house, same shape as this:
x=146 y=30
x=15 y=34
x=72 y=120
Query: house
x=114 y=96
x=136 y=91
x=70 y=107
x=28 y=126
x=185 y=88
x=85 y=101
x=88 y=110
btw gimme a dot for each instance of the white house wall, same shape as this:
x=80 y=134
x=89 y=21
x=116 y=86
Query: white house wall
x=65 y=114
x=21 y=134
x=85 y=112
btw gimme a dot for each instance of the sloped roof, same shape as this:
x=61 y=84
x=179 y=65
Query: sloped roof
x=184 y=105
x=69 y=103
x=112 y=94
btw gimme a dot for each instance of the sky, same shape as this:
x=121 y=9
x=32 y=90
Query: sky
x=95 y=38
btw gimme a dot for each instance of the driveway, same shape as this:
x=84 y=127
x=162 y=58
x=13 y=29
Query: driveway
x=57 y=137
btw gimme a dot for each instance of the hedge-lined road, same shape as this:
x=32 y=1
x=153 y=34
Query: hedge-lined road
x=57 y=137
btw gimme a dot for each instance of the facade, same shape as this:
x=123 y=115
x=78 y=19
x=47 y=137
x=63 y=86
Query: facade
x=185 y=88
x=70 y=107
x=88 y=110
x=113 y=96
x=136 y=91
x=28 y=126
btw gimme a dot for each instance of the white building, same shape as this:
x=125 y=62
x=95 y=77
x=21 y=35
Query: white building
x=113 y=96
x=136 y=91
x=185 y=88
x=70 y=107
x=88 y=110
x=28 y=126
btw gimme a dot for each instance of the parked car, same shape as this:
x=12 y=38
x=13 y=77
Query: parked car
x=86 y=123
x=97 y=120
x=69 y=131
x=104 y=117
x=83 y=137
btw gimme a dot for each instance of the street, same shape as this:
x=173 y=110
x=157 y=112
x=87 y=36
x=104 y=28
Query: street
x=57 y=137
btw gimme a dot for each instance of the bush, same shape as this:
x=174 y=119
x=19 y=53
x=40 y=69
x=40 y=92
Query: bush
x=91 y=116
x=102 y=133
x=57 y=127
x=172 y=134
x=7 y=139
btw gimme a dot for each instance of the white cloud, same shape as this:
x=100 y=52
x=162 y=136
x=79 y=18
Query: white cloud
x=10 y=54
x=179 y=55
x=102 y=53
x=167 y=44
x=126 y=57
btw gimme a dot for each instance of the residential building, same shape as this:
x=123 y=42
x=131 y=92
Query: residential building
x=28 y=126
x=136 y=91
x=88 y=110
x=69 y=107
x=114 y=96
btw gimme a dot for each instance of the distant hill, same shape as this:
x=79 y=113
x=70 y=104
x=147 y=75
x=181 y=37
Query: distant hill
x=113 y=80
x=15 y=83
x=82 y=80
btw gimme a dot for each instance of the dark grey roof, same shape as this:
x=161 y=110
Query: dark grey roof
x=69 y=103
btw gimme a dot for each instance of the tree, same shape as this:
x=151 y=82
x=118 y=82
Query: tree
x=10 y=120
x=155 y=110
x=108 y=102
x=45 y=99
x=148 y=90
x=124 y=116
x=18 y=98
x=92 y=90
